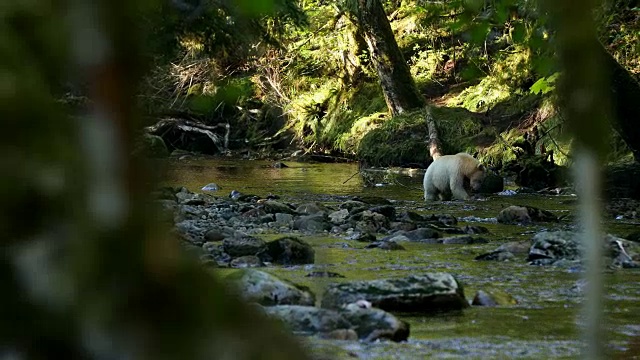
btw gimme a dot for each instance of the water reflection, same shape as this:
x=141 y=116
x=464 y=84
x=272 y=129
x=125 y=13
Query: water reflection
x=260 y=178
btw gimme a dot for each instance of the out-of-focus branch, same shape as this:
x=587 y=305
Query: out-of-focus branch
x=585 y=104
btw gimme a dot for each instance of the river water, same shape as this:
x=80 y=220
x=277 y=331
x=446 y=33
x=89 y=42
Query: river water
x=545 y=322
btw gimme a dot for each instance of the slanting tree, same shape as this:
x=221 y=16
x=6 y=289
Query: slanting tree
x=399 y=89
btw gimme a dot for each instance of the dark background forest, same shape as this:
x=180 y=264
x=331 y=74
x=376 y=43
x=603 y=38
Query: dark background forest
x=301 y=75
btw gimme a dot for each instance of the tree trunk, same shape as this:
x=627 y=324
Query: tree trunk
x=625 y=96
x=434 y=140
x=400 y=91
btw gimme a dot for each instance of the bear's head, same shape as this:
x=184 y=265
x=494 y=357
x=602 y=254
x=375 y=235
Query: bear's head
x=477 y=177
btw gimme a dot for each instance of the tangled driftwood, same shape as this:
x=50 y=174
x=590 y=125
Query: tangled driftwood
x=178 y=133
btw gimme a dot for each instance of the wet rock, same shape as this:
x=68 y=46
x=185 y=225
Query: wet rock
x=312 y=223
x=248 y=261
x=274 y=207
x=429 y=292
x=422 y=234
x=186 y=197
x=555 y=245
x=266 y=289
x=444 y=219
x=369 y=221
x=623 y=253
x=464 y=240
x=284 y=219
x=493 y=298
x=385 y=245
x=211 y=187
x=350 y=205
x=308 y=320
x=215 y=234
x=290 y=251
x=386 y=210
x=410 y=216
x=507 y=251
x=189 y=212
x=312 y=208
x=496 y=256
x=565 y=248
x=491 y=184
x=362 y=236
x=524 y=215
x=373 y=324
x=243 y=245
x=210 y=247
x=190 y=232
x=474 y=229
x=447 y=229
x=516 y=247
x=396 y=238
x=266 y=219
x=235 y=194
x=402 y=226
x=254 y=214
x=372 y=200
x=339 y=217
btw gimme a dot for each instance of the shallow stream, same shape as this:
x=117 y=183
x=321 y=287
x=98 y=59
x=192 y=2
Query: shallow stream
x=545 y=322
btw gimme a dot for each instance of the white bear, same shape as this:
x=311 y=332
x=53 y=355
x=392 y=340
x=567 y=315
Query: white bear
x=453 y=176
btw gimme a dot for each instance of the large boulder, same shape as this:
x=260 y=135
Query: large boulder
x=273 y=207
x=312 y=208
x=372 y=324
x=524 y=215
x=560 y=247
x=312 y=223
x=308 y=320
x=289 y=251
x=369 y=324
x=243 y=245
x=431 y=292
x=266 y=289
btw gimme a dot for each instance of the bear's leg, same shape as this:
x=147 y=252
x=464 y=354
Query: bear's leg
x=429 y=196
x=430 y=191
x=457 y=189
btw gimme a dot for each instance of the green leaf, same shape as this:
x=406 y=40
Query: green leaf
x=545 y=84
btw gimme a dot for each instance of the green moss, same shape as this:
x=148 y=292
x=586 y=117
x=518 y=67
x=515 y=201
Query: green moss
x=398 y=141
x=402 y=140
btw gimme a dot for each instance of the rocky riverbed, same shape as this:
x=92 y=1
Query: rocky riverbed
x=381 y=277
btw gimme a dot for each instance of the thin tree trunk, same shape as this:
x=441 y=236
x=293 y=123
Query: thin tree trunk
x=399 y=89
x=585 y=104
x=434 y=140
